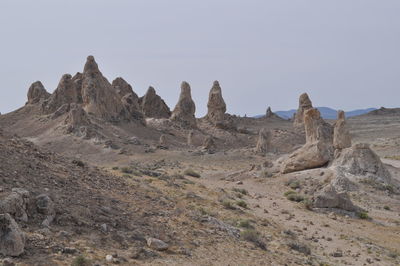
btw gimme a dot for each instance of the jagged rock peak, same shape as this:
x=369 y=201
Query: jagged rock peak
x=269 y=113
x=122 y=87
x=153 y=106
x=91 y=66
x=37 y=92
x=304 y=104
x=216 y=104
x=184 y=111
x=263 y=142
x=316 y=128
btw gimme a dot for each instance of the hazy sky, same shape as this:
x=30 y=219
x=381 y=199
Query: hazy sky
x=344 y=53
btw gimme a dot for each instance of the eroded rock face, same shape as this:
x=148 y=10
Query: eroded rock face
x=304 y=105
x=216 y=104
x=99 y=97
x=263 y=142
x=153 y=106
x=330 y=198
x=67 y=92
x=359 y=161
x=185 y=108
x=190 y=137
x=316 y=128
x=12 y=239
x=37 y=93
x=311 y=155
x=341 y=134
x=208 y=143
x=131 y=104
x=78 y=121
x=123 y=88
x=15 y=204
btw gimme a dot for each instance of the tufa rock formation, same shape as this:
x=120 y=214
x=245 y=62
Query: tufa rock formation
x=264 y=142
x=216 y=104
x=318 y=148
x=185 y=108
x=153 y=106
x=304 y=105
x=37 y=93
x=123 y=88
x=99 y=97
x=360 y=162
x=341 y=134
x=209 y=144
x=330 y=198
x=270 y=115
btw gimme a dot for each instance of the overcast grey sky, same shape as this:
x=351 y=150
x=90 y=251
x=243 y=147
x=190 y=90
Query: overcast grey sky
x=344 y=53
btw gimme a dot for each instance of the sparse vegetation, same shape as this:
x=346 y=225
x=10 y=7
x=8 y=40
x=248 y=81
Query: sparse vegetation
x=241 y=191
x=191 y=172
x=293 y=196
x=386 y=208
x=115 y=168
x=81 y=261
x=241 y=203
x=253 y=236
x=293 y=184
x=228 y=205
x=307 y=203
x=363 y=215
x=244 y=224
x=126 y=170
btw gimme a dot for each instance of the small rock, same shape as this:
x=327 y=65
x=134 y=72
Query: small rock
x=157 y=244
x=109 y=258
x=8 y=262
x=239 y=183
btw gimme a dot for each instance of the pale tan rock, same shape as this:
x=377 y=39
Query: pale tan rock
x=316 y=128
x=153 y=106
x=311 y=155
x=216 y=104
x=329 y=197
x=37 y=93
x=341 y=134
x=156 y=244
x=263 y=142
x=304 y=105
x=184 y=111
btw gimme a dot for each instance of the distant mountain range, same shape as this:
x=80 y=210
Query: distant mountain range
x=326 y=113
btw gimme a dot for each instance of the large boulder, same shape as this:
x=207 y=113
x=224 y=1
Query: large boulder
x=12 y=239
x=329 y=197
x=184 y=111
x=16 y=204
x=341 y=134
x=361 y=162
x=263 y=142
x=216 y=104
x=304 y=104
x=311 y=155
x=98 y=95
x=37 y=93
x=153 y=106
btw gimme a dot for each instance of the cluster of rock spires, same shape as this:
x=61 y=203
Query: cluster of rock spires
x=89 y=94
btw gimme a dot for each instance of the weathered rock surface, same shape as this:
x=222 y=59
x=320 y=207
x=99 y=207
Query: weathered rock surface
x=190 y=137
x=99 y=97
x=78 y=122
x=216 y=104
x=15 y=204
x=330 y=198
x=45 y=206
x=67 y=92
x=311 y=155
x=153 y=106
x=123 y=88
x=316 y=128
x=304 y=105
x=341 y=134
x=208 y=143
x=37 y=93
x=185 y=108
x=263 y=142
x=360 y=161
x=12 y=239
x=156 y=244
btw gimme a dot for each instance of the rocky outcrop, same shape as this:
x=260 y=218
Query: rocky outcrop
x=99 y=97
x=361 y=162
x=329 y=197
x=78 y=122
x=318 y=149
x=67 y=92
x=45 y=206
x=316 y=128
x=12 y=239
x=190 y=137
x=304 y=105
x=271 y=115
x=311 y=155
x=209 y=144
x=216 y=104
x=15 y=204
x=263 y=142
x=37 y=93
x=184 y=112
x=123 y=88
x=131 y=104
x=341 y=134
x=153 y=106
